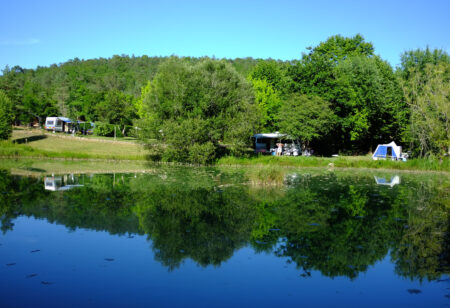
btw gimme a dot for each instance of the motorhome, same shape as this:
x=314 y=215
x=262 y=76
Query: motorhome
x=54 y=124
x=63 y=124
x=267 y=144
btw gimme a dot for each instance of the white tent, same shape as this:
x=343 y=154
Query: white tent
x=390 y=150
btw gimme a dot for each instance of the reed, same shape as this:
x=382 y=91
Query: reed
x=423 y=164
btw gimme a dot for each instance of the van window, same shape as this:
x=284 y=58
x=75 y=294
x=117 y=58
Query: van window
x=58 y=123
x=49 y=122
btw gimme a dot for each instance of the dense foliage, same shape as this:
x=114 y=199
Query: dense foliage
x=5 y=116
x=370 y=101
x=427 y=92
x=306 y=118
x=189 y=109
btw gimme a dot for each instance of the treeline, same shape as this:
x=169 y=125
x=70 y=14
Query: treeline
x=338 y=97
x=97 y=90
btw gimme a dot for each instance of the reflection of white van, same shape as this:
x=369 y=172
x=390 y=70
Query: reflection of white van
x=57 y=183
x=53 y=183
x=54 y=123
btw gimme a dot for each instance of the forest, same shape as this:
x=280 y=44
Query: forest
x=338 y=97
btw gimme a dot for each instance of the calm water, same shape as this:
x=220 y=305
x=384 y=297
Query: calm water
x=185 y=237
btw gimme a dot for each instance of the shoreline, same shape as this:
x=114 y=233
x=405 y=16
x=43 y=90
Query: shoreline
x=38 y=145
x=43 y=165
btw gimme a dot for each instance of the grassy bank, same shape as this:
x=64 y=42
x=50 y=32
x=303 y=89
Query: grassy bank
x=36 y=143
x=39 y=144
x=339 y=162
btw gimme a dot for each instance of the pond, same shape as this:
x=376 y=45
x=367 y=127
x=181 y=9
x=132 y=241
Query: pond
x=206 y=237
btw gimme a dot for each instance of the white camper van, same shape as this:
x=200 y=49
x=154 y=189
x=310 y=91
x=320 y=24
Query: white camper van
x=54 y=124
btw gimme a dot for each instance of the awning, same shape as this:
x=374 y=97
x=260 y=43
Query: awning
x=66 y=120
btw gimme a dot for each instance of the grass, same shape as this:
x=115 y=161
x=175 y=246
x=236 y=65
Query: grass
x=36 y=143
x=40 y=144
x=339 y=162
x=270 y=175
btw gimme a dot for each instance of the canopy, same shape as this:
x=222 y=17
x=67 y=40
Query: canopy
x=66 y=120
x=269 y=135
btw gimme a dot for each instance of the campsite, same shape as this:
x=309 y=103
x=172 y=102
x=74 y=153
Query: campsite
x=224 y=154
x=39 y=144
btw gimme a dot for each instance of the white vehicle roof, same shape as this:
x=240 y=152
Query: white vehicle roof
x=269 y=135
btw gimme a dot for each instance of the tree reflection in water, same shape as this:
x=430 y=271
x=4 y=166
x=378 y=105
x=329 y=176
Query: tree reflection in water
x=336 y=223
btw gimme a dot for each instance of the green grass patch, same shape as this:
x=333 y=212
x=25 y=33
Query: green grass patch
x=268 y=175
x=51 y=149
x=425 y=164
x=37 y=143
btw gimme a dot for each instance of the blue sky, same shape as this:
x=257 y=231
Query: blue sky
x=46 y=32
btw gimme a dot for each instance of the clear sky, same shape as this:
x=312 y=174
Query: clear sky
x=45 y=32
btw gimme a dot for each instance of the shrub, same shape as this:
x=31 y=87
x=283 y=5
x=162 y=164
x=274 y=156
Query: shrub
x=104 y=129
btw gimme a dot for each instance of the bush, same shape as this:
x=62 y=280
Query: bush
x=201 y=153
x=104 y=129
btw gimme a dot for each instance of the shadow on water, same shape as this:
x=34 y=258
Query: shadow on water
x=33 y=169
x=29 y=139
x=338 y=224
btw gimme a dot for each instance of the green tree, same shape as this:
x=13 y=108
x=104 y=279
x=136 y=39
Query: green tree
x=368 y=101
x=139 y=103
x=191 y=109
x=6 y=116
x=117 y=108
x=36 y=103
x=12 y=82
x=314 y=73
x=416 y=60
x=77 y=87
x=428 y=96
x=362 y=90
x=306 y=118
x=273 y=73
x=268 y=102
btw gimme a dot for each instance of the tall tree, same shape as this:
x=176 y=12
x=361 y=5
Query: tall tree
x=428 y=95
x=413 y=61
x=268 y=102
x=116 y=108
x=314 y=73
x=6 y=116
x=306 y=118
x=191 y=109
x=361 y=88
x=368 y=101
x=12 y=83
x=273 y=72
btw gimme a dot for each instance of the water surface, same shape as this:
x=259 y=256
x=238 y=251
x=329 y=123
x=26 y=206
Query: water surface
x=185 y=237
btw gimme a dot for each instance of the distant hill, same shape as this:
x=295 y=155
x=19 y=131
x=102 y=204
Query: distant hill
x=76 y=87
